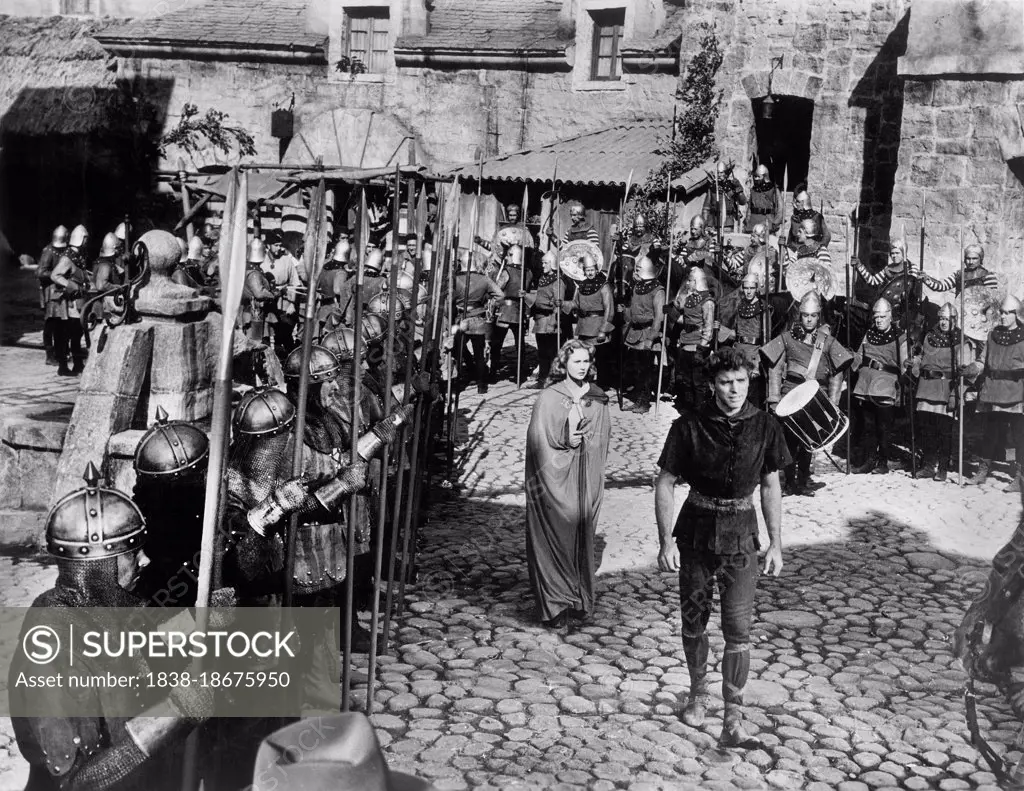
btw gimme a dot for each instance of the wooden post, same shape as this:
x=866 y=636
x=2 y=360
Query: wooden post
x=185 y=208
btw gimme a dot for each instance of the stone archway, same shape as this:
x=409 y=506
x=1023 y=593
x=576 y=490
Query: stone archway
x=785 y=82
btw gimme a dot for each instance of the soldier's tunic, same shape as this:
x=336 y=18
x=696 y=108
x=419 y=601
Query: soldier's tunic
x=749 y=326
x=256 y=297
x=795 y=357
x=585 y=231
x=372 y=286
x=69 y=268
x=883 y=356
x=594 y=308
x=643 y=318
x=765 y=207
x=939 y=361
x=1002 y=385
x=189 y=274
x=799 y=215
x=695 y=324
x=550 y=310
x=471 y=300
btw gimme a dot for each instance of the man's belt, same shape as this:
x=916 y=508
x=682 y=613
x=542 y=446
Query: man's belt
x=691 y=327
x=747 y=339
x=720 y=505
x=543 y=311
x=640 y=325
x=591 y=313
x=876 y=365
x=932 y=373
x=1013 y=376
x=795 y=378
x=473 y=313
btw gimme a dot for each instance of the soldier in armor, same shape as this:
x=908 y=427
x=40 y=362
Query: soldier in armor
x=170 y=491
x=751 y=259
x=882 y=358
x=373 y=283
x=1001 y=392
x=513 y=279
x=191 y=272
x=642 y=332
x=897 y=282
x=809 y=246
x=807 y=351
x=550 y=310
x=937 y=367
x=109 y=270
x=594 y=309
x=692 y=320
x=633 y=244
x=748 y=322
x=726 y=188
x=470 y=297
x=803 y=210
x=765 y=203
x=47 y=261
x=257 y=295
x=70 y=282
x=283 y=274
x=97 y=536
x=698 y=251
x=975 y=273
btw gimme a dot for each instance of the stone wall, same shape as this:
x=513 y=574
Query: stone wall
x=953 y=172
x=842 y=55
x=453 y=114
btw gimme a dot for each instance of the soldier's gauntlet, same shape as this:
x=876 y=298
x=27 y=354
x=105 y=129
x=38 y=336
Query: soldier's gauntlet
x=351 y=480
x=282 y=501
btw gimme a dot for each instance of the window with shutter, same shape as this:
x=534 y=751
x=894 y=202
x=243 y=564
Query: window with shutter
x=368 y=37
x=606 y=61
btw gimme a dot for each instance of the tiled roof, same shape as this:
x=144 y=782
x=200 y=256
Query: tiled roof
x=491 y=25
x=601 y=158
x=254 y=24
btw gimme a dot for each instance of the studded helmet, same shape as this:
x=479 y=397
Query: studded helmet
x=195 y=248
x=79 y=236
x=374 y=328
x=323 y=365
x=171 y=449
x=257 y=252
x=94 y=523
x=109 y=246
x=264 y=412
x=339 y=342
x=60 y=237
x=378 y=306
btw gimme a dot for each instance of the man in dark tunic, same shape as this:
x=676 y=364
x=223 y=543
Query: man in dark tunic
x=70 y=282
x=803 y=210
x=748 y=322
x=691 y=317
x=723 y=452
x=728 y=190
x=513 y=278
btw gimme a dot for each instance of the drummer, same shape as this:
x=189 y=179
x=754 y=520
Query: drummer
x=807 y=351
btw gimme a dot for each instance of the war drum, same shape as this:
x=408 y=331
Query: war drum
x=811 y=417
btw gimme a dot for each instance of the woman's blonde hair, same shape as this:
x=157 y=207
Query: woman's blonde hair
x=558 y=371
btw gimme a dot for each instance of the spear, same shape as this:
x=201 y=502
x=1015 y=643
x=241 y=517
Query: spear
x=664 y=324
x=849 y=297
x=552 y=235
x=522 y=285
x=906 y=330
x=960 y=384
x=782 y=239
x=313 y=260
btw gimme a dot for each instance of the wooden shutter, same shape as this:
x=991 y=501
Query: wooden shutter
x=368 y=38
x=607 y=43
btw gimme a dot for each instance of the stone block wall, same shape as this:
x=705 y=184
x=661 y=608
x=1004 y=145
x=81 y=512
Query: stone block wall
x=30 y=448
x=452 y=114
x=954 y=173
x=842 y=54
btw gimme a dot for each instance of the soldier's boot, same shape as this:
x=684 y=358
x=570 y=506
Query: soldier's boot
x=63 y=370
x=941 y=470
x=927 y=468
x=881 y=468
x=867 y=466
x=696 y=651
x=1015 y=483
x=51 y=357
x=981 y=475
x=735 y=669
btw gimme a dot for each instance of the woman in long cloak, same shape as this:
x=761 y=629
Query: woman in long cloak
x=566 y=450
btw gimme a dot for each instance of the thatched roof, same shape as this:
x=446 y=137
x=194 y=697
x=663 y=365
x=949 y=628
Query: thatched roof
x=53 y=76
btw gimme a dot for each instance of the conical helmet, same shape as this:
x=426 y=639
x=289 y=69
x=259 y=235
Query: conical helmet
x=195 y=249
x=257 y=252
x=171 y=448
x=645 y=269
x=323 y=365
x=109 y=246
x=811 y=302
x=700 y=281
x=882 y=307
x=948 y=310
x=340 y=342
x=60 y=237
x=79 y=236
x=94 y=523
x=378 y=305
x=263 y=413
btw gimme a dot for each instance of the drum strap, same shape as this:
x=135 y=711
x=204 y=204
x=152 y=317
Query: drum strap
x=810 y=372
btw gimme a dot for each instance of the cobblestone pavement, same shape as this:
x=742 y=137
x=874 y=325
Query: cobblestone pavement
x=853 y=683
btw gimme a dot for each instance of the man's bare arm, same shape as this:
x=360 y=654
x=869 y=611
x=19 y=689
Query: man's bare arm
x=771 y=507
x=664 y=509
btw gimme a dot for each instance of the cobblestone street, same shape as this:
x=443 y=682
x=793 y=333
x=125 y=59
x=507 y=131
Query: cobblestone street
x=853 y=685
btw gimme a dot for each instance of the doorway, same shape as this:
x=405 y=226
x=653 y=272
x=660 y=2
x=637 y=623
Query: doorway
x=784 y=141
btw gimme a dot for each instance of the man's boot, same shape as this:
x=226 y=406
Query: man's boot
x=941 y=470
x=735 y=669
x=696 y=652
x=981 y=475
x=867 y=466
x=881 y=468
x=927 y=468
x=1015 y=483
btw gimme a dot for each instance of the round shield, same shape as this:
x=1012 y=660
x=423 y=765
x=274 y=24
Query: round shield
x=804 y=276
x=980 y=312
x=508 y=237
x=899 y=288
x=570 y=258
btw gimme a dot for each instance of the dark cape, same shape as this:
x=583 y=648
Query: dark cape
x=564 y=490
